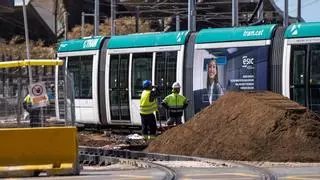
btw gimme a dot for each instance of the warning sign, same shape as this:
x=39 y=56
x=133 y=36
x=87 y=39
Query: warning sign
x=38 y=94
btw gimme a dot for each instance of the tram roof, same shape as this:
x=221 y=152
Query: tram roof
x=83 y=44
x=300 y=30
x=148 y=40
x=248 y=33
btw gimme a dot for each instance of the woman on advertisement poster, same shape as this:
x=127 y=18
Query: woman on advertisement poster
x=213 y=89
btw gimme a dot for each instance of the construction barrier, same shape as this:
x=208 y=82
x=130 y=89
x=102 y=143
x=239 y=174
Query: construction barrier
x=31 y=62
x=31 y=151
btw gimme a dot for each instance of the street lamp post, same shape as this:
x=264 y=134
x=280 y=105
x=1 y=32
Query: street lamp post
x=96 y=17
x=26 y=36
x=235 y=13
x=286 y=13
x=192 y=15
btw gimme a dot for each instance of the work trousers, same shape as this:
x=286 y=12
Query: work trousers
x=35 y=118
x=149 y=124
x=174 y=120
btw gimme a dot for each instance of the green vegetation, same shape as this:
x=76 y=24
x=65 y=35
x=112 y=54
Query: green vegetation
x=15 y=48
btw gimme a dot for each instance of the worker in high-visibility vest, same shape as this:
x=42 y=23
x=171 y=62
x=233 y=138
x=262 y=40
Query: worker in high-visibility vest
x=175 y=104
x=34 y=112
x=148 y=106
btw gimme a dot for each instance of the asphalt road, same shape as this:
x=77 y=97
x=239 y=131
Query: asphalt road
x=306 y=173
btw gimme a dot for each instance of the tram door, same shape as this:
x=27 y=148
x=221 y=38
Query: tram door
x=305 y=75
x=166 y=70
x=141 y=70
x=118 y=88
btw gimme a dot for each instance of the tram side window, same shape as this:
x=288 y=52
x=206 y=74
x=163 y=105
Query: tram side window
x=141 y=70
x=166 y=67
x=81 y=68
x=166 y=70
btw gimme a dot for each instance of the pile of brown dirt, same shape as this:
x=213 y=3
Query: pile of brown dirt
x=261 y=126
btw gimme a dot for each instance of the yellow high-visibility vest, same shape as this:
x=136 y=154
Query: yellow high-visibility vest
x=175 y=102
x=27 y=99
x=147 y=107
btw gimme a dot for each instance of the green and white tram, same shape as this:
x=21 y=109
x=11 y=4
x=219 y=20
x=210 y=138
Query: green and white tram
x=301 y=66
x=108 y=72
x=82 y=59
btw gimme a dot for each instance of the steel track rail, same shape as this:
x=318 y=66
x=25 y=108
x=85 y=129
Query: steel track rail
x=170 y=173
x=264 y=173
x=99 y=156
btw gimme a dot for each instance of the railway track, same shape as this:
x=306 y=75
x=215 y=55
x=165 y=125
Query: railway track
x=102 y=157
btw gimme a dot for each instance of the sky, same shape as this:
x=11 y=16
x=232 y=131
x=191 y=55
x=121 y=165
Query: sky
x=310 y=9
x=19 y=2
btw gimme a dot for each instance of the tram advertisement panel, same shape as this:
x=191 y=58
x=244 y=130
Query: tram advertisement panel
x=228 y=69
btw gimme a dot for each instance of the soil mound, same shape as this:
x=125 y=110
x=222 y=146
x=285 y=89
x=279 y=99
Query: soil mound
x=260 y=126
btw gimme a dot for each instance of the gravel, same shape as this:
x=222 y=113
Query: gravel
x=117 y=166
x=279 y=164
x=191 y=164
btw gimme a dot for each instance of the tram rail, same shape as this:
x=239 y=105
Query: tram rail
x=101 y=157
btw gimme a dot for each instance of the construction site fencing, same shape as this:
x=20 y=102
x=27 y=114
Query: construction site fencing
x=14 y=83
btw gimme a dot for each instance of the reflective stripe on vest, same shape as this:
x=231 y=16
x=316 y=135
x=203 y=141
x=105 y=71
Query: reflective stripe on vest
x=175 y=102
x=147 y=107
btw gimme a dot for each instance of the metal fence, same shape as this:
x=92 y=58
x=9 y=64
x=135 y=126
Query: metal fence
x=65 y=98
x=14 y=84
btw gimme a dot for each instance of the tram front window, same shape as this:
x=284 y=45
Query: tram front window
x=299 y=67
x=315 y=78
x=315 y=65
x=298 y=74
x=81 y=68
x=141 y=70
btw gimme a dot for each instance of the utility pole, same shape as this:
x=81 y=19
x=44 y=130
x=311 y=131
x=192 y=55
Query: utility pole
x=285 y=14
x=192 y=15
x=235 y=12
x=82 y=24
x=137 y=18
x=177 y=22
x=65 y=17
x=299 y=10
x=96 y=17
x=112 y=19
x=26 y=36
x=83 y=15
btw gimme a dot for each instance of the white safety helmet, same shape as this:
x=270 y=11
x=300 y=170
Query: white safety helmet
x=176 y=85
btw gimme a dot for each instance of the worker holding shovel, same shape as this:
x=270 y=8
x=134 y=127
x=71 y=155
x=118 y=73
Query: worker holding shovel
x=175 y=104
